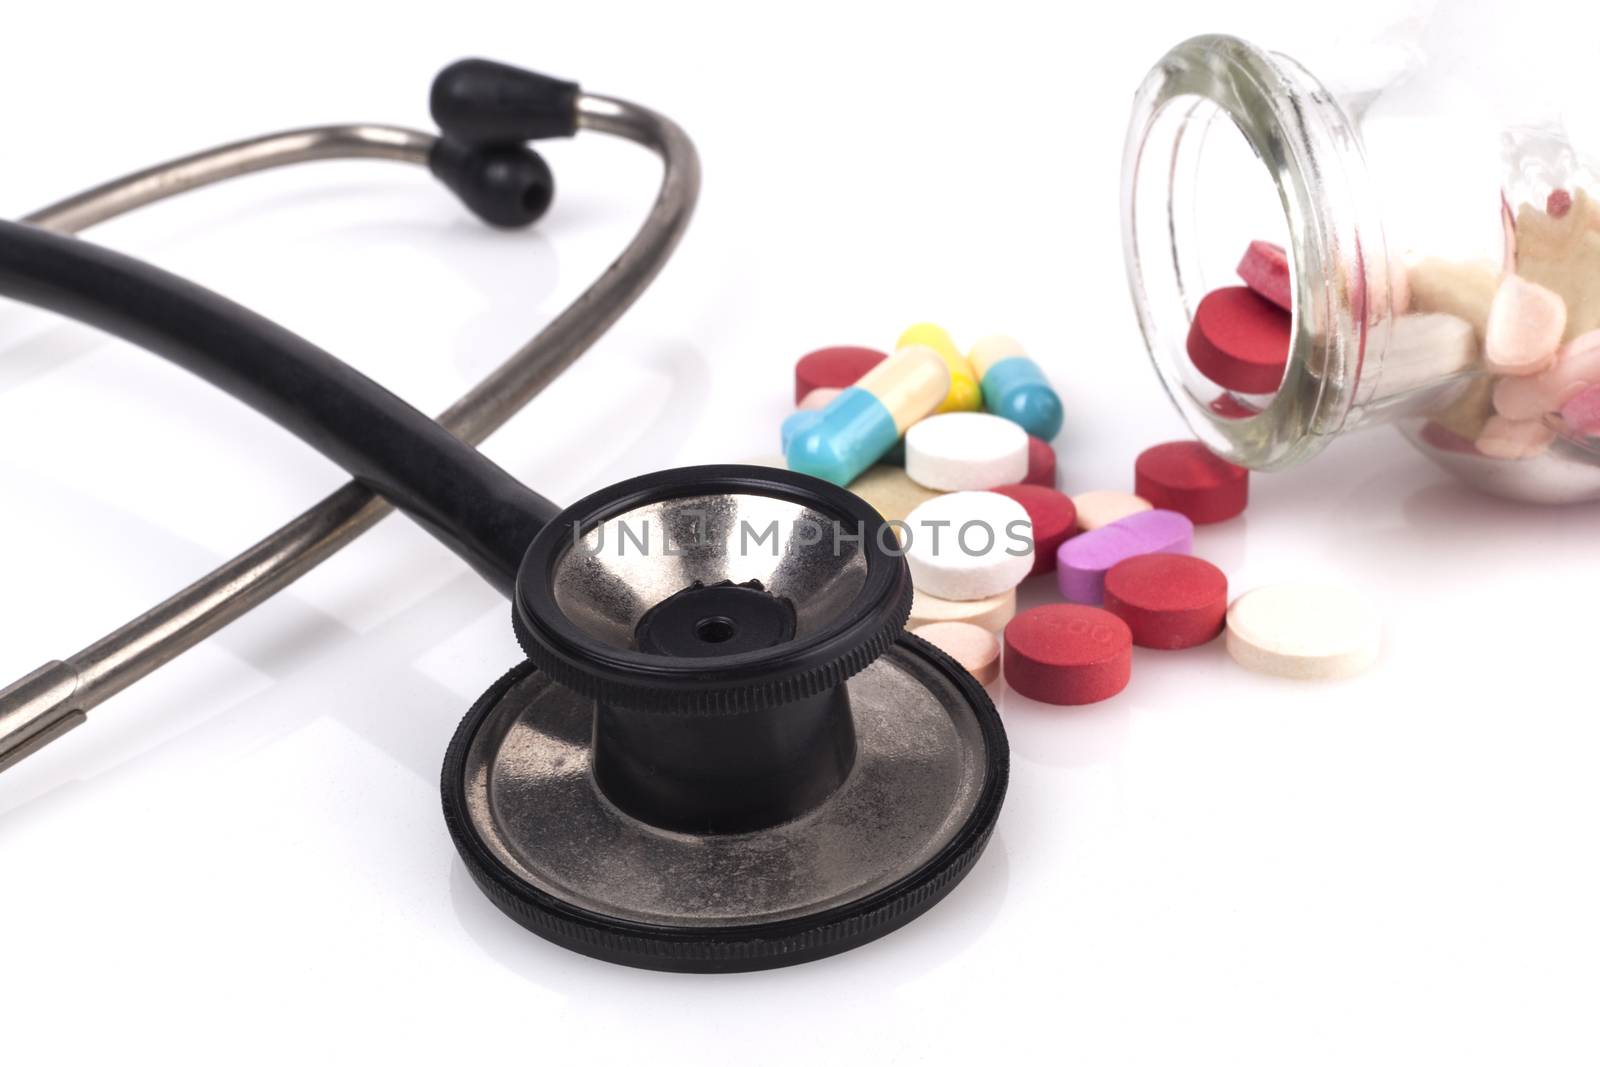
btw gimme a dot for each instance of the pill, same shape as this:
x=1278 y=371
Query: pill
x=1524 y=329
x=1082 y=561
x=1168 y=600
x=1041 y=463
x=1015 y=388
x=1265 y=269
x=1102 y=507
x=1304 y=630
x=1503 y=438
x=1068 y=654
x=1240 y=340
x=966 y=450
x=964 y=394
x=973 y=647
x=818 y=399
x=1185 y=476
x=890 y=492
x=1558 y=203
x=1577 y=367
x=967 y=546
x=1054 y=519
x=1582 y=412
x=865 y=421
x=990 y=612
x=833 y=368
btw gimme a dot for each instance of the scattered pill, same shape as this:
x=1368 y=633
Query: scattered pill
x=1054 y=519
x=890 y=492
x=964 y=394
x=1082 y=561
x=1015 y=388
x=1041 y=463
x=1185 y=476
x=1168 y=600
x=1504 y=438
x=1577 y=367
x=1524 y=329
x=1265 y=269
x=865 y=421
x=1068 y=654
x=990 y=612
x=973 y=647
x=1240 y=340
x=818 y=399
x=969 y=545
x=1304 y=630
x=966 y=450
x=1102 y=507
x=1558 y=203
x=833 y=368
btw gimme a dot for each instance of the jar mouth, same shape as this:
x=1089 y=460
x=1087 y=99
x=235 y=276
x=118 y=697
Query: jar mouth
x=1335 y=246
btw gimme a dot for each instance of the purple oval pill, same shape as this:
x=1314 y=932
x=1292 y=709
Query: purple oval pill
x=1082 y=562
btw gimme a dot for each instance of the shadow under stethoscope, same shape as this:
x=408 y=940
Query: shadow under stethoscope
x=915 y=949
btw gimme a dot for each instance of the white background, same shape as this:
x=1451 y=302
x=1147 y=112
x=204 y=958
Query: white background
x=242 y=858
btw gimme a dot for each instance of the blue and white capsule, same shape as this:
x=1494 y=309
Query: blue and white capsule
x=862 y=424
x=1015 y=388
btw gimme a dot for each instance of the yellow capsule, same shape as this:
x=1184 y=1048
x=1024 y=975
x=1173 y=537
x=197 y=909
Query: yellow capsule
x=965 y=394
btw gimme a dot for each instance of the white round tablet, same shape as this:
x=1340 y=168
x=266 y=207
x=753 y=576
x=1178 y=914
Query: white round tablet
x=992 y=612
x=1304 y=630
x=1102 y=507
x=967 y=546
x=966 y=450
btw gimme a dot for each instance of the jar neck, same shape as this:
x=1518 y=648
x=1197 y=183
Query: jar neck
x=1339 y=260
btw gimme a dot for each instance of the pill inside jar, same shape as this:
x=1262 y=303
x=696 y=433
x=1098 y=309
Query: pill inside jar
x=1316 y=246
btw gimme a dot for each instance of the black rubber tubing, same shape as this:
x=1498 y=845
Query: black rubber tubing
x=475 y=507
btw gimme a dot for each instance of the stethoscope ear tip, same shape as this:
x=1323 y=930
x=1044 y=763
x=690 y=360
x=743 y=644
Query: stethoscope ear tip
x=508 y=185
x=481 y=102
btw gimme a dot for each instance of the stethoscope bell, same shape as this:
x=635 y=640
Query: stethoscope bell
x=724 y=753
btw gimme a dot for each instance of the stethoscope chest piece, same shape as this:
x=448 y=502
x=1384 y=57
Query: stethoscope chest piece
x=723 y=752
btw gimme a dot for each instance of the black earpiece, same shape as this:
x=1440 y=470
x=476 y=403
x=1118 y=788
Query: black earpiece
x=506 y=185
x=480 y=102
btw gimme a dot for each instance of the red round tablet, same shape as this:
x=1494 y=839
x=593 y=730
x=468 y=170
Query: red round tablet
x=1240 y=340
x=1041 y=463
x=1168 y=600
x=1068 y=654
x=1185 y=477
x=1054 y=517
x=833 y=368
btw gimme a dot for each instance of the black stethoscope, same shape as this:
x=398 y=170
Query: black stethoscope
x=723 y=751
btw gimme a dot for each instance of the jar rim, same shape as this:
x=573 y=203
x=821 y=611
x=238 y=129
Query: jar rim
x=1314 y=159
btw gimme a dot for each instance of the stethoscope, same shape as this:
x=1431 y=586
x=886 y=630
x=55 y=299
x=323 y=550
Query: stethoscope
x=723 y=751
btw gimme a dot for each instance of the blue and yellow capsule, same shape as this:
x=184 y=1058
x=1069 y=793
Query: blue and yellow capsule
x=863 y=423
x=1015 y=388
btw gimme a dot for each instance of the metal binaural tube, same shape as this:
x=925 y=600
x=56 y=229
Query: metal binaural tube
x=31 y=715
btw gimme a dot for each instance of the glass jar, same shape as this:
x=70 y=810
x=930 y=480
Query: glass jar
x=1435 y=208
